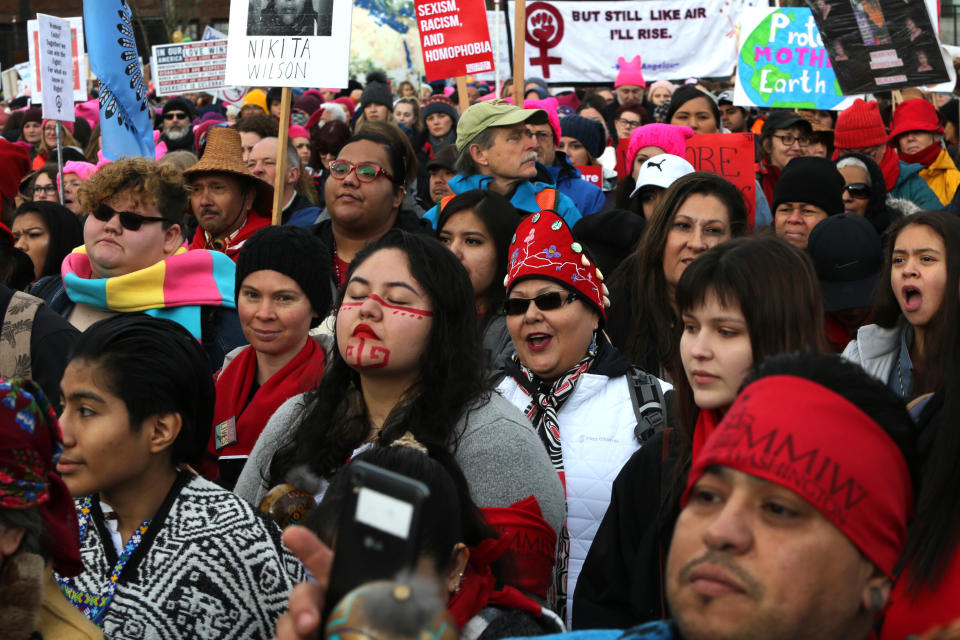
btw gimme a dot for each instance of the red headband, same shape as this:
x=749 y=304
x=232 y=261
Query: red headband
x=800 y=435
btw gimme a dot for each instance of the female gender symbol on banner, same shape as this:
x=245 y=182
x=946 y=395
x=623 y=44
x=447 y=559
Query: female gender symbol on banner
x=544 y=31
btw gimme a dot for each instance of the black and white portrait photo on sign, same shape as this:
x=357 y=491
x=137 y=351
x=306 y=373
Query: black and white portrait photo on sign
x=289 y=43
x=880 y=45
x=289 y=17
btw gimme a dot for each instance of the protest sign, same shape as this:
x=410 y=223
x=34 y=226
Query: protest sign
x=454 y=37
x=881 y=45
x=592 y=174
x=56 y=69
x=298 y=43
x=76 y=55
x=189 y=66
x=572 y=41
x=730 y=155
x=783 y=62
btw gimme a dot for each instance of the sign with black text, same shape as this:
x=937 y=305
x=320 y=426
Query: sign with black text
x=56 y=68
x=454 y=37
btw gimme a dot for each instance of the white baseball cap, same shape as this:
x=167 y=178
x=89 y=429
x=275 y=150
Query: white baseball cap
x=661 y=171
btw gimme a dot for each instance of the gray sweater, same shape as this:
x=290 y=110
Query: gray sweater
x=500 y=454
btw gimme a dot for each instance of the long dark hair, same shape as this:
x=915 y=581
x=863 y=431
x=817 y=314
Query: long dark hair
x=685 y=94
x=403 y=161
x=64 y=228
x=638 y=285
x=776 y=287
x=501 y=220
x=451 y=379
x=929 y=371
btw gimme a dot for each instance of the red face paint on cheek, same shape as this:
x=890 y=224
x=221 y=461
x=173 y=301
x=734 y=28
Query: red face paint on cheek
x=366 y=356
x=404 y=312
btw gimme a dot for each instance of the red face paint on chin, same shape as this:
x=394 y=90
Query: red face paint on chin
x=366 y=356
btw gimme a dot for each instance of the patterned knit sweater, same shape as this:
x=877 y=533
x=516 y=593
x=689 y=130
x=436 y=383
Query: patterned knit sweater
x=209 y=566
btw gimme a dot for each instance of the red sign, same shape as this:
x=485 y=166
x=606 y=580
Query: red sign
x=592 y=174
x=731 y=155
x=454 y=37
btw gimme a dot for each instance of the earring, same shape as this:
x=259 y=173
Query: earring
x=876 y=599
x=459 y=582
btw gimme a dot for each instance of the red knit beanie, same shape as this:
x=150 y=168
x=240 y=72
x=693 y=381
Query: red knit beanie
x=914 y=115
x=860 y=126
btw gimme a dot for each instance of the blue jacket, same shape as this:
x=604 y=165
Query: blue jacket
x=661 y=630
x=911 y=186
x=587 y=197
x=524 y=197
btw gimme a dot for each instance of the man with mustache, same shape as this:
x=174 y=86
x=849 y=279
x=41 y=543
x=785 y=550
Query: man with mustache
x=228 y=201
x=498 y=151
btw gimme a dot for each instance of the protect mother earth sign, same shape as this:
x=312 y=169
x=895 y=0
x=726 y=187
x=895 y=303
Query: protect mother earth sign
x=782 y=62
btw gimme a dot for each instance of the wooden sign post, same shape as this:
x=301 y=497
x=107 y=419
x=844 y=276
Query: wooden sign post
x=283 y=138
x=519 y=41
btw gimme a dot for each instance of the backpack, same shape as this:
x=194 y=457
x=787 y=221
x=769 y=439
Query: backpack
x=649 y=404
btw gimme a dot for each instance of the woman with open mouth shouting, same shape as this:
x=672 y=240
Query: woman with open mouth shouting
x=914 y=313
x=590 y=406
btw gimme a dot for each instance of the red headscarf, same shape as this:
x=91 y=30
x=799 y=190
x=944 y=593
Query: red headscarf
x=30 y=445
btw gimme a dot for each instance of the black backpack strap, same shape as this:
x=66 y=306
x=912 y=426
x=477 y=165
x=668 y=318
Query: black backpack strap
x=649 y=404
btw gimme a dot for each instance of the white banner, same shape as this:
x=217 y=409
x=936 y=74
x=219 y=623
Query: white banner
x=186 y=67
x=56 y=70
x=76 y=55
x=571 y=41
x=297 y=44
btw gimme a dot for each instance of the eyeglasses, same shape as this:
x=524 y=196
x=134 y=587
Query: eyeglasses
x=178 y=115
x=47 y=188
x=629 y=124
x=858 y=190
x=128 y=220
x=366 y=171
x=788 y=140
x=541 y=135
x=545 y=302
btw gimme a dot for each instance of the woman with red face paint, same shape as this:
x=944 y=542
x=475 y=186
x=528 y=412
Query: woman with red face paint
x=916 y=311
x=408 y=358
x=282 y=290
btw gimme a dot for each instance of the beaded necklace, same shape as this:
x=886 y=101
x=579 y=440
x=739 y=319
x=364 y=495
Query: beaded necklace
x=93 y=606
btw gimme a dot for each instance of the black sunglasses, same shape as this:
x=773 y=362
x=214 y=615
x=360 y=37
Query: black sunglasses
x=859 y=190
x=179 y=115
x=545 y=302
x=128 y=220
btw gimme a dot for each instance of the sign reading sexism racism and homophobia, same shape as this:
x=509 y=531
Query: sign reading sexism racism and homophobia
x=454 y=37
x=783 y=62
x=34 y=48
x=186 y=67
x=732 y=156
x=289 y=43
x=881 y=45
x=573 y=41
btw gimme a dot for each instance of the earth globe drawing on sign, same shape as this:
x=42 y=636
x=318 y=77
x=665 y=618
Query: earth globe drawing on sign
x=782 y=80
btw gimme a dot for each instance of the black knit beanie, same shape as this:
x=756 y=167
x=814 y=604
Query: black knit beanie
x=294 y=252
x=376 y=93
x=588 y=132
x=183 y=104
x=812 y=180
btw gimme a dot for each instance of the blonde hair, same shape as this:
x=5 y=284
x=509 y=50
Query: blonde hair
x=145 y=181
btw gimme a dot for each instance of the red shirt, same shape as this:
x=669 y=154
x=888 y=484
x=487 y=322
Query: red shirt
x=233 y=245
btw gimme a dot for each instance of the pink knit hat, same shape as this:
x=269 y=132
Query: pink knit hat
x=661 y=84
x=66 y=124
x=83 y=170
x=859 y=126
x=630 y=72
x=296 y=131
x=89 y=111
x=550 y=106
x=669 y=137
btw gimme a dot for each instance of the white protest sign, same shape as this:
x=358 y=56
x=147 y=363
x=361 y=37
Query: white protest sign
x=186 y=67
x=76 y=58
x=300 y=43
x=56 y=68
x=574 y=41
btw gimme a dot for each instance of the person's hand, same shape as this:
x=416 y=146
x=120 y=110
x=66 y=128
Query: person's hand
x=302 y=620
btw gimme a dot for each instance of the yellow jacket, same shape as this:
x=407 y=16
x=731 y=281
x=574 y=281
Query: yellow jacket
x=942 y=177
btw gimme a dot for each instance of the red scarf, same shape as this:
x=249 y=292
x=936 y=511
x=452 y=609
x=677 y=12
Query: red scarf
x=478 y=588
x=932 y=606
x=924 y=156
x=233 y=389
x=890 y=165
x=707 y=423
x=534 y=542
x=254 y=222
x=769 y=174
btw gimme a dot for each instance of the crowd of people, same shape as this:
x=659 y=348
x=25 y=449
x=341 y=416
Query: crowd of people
x=648 y=405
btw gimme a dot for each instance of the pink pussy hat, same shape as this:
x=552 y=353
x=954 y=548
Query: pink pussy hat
x=630 y=72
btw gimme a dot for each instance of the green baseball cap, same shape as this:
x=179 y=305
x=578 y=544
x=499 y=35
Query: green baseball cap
x=493 y=113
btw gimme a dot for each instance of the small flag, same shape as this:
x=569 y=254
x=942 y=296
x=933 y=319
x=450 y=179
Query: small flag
x=126 y=125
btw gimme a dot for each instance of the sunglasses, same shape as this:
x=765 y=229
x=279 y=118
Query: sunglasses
x=128 y=220
x=545 y=302
x=859 y=190
x=178 y=115
x=366 y=171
